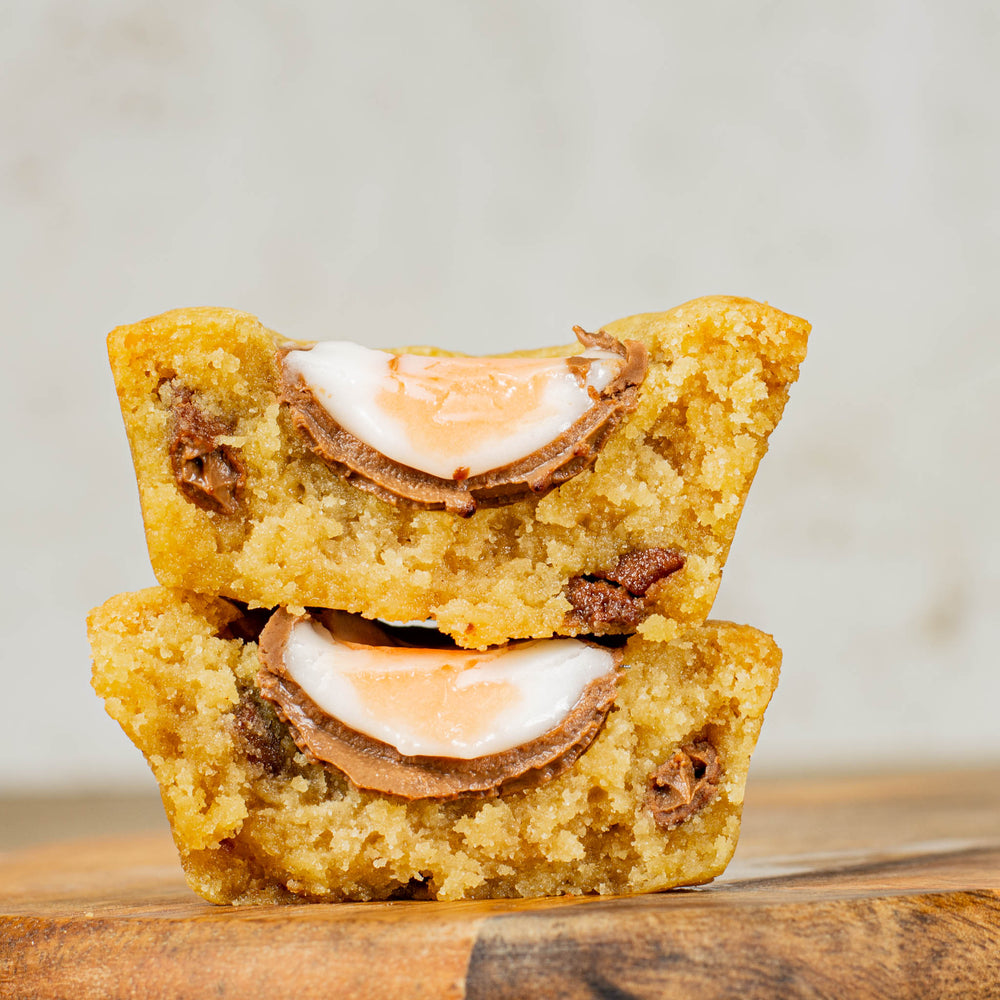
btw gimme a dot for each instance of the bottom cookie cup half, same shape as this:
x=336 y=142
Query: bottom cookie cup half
x=256 y=820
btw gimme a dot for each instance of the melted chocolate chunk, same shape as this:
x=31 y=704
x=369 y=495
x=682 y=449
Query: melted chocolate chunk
x=372 y=764
x=572 y=452
x=684 y=784
x=208 y=474
x=599 y=605
x=614 y=598
x=260 y=732
x=638 y=571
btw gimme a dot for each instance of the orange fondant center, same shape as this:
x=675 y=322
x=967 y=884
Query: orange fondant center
x=458 y=404
x=429 y=703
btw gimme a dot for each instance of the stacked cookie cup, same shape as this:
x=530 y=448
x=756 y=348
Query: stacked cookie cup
x=436 y=627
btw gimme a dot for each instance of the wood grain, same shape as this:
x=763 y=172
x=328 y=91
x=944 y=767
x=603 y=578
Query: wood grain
x=883 y=886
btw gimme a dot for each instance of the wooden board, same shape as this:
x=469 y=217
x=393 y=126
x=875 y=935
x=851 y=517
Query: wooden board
x=882 y=887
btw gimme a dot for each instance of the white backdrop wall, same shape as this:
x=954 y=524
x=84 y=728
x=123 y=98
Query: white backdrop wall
x=483 y=176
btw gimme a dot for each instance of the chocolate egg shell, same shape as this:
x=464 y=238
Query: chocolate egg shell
x=574 y=446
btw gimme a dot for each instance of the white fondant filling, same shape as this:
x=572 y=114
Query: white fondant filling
x=549 y=676
x=348 y=380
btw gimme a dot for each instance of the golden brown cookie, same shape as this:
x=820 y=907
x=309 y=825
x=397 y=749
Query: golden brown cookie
x=619 y=523
x=652 y=800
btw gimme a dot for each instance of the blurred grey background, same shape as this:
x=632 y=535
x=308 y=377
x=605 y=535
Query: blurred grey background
x=482 y=176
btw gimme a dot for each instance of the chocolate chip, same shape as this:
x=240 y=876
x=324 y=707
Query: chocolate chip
x=260 y=732
x=599 y=605
x=684 y=784
x=638 y=571
x=208 y=474
x=614 y=598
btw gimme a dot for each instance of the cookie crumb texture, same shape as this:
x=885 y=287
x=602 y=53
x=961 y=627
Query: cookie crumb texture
x=254 y=820
x=673 y=475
